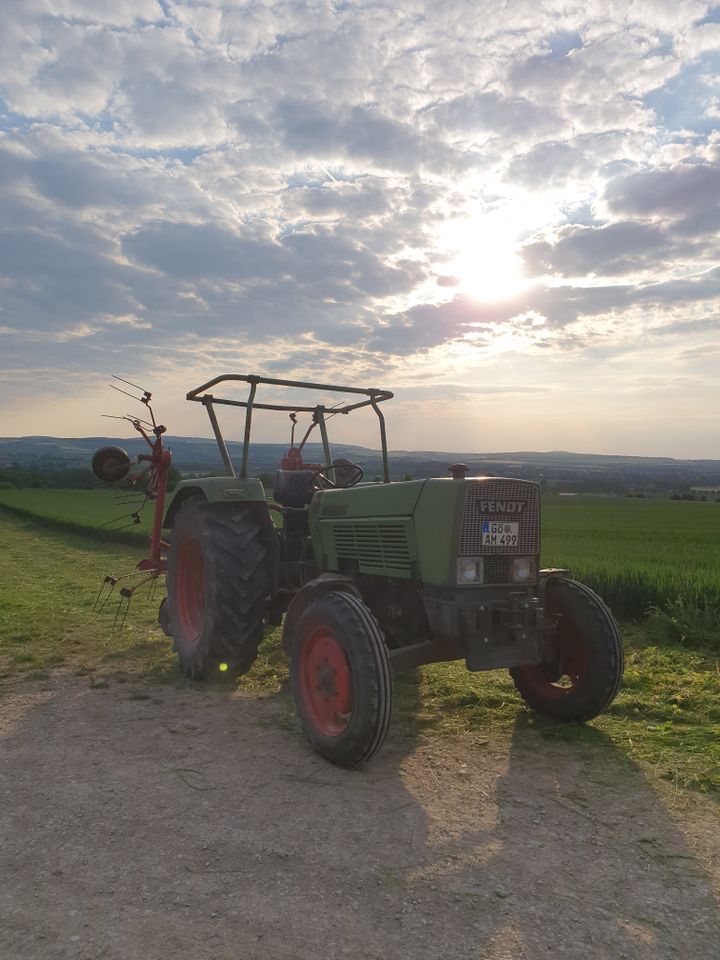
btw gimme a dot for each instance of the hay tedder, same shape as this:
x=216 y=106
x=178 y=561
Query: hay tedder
x=365 y=577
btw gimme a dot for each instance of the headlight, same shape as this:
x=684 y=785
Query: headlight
x=469 y=570
x=522 y=568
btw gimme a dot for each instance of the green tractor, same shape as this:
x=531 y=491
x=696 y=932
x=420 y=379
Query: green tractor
x=372 y=577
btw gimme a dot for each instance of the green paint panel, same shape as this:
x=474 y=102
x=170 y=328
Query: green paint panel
x=224 y=489
x=370 y=500
x=437 y=523
x=381 y=546
x=406 y=530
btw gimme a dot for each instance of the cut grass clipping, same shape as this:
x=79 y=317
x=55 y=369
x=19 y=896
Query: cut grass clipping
x=666 y=717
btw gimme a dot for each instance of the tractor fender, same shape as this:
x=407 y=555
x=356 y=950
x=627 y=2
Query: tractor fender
x=550 y=573
x=325 y=583
x=216 y=490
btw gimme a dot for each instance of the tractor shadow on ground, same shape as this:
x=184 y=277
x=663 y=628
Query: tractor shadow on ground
x=544 y=842
x=538 y=839
x=191 y=823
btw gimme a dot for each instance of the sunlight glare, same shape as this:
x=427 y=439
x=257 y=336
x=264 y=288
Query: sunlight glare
x=483 y=258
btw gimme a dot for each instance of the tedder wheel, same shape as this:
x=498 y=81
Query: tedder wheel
x=217 y=584
x=583 y=660
x=341 y=679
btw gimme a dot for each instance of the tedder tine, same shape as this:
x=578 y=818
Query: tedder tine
x=108 y=582
x=136 y=519
x=123 y=605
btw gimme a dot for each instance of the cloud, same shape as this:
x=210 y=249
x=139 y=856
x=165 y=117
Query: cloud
x=360 y=134
x=544 y=316
x=362 y=198
x=662 y=219
x=81 y=180
x=322 y=184
x=676 y=193
x=550 y=164
x=48 y=279
x=426 y=326
x=195 y=251
x=320 y=260
x=618 y=248
x=492 y=114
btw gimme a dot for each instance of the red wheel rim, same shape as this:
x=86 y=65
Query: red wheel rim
x=325 y=681
x=564 y=670
x=191 y=589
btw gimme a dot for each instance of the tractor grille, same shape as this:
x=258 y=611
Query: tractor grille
x=376 y=547
x=476 y=510
x=497 y=570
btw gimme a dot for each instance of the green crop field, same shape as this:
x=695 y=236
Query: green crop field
x=635 y=552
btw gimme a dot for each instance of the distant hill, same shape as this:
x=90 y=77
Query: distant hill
x=557 y=468
x=190 y=454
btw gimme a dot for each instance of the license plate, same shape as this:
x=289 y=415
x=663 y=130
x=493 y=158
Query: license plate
x=497 y=533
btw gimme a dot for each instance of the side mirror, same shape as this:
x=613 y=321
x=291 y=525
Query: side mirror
x=111 y=464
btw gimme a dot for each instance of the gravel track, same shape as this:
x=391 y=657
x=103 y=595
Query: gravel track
x=148 y=823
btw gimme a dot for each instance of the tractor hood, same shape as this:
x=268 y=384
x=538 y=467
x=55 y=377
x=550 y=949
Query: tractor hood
x=403 y=530
x=419 y=528
x=369 y=500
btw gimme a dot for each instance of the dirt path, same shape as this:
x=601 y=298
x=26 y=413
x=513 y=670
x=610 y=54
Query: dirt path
x=190 y=824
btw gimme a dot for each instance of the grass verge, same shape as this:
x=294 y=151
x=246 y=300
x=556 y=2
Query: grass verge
x=51 y=578
x=96 y=514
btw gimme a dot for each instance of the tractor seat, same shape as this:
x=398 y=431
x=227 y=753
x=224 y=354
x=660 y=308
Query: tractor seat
x=293 y=488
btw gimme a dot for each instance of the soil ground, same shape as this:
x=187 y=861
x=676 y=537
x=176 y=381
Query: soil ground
x=153 y=822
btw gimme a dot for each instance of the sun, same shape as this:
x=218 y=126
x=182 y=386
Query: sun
x=482 y=259
x=489 y=273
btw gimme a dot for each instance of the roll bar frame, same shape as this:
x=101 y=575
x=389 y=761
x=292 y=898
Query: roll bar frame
x=208 y=400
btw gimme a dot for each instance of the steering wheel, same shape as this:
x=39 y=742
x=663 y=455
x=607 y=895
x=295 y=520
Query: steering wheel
x=347 y=474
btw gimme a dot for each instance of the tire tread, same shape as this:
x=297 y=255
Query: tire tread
x=365 y=644
x=236 y=591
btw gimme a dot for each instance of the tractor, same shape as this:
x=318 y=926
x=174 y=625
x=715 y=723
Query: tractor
x=368 y=577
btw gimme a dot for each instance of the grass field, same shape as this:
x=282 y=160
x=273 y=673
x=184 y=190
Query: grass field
x=83 y=511
x=635 y=553
x=666 y=717
x=50 y=581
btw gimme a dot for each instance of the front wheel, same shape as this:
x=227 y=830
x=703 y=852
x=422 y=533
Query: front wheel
x=582 y=663
x=341 y=679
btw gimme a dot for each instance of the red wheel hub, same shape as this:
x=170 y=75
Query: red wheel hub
x=326 y=681
x=191 y=589
x=564 y=669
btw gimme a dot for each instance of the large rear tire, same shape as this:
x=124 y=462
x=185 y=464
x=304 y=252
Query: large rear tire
x=341 y=679
x=582 y=664
x=217 y=583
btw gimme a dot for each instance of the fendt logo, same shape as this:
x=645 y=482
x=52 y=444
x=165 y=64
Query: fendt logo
x=502 y=506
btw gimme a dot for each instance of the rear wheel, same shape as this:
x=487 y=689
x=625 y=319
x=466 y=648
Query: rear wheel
x=582 y=664
x=217 y=583
x=341 y=679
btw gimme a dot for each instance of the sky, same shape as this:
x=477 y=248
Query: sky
x=505 y=212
